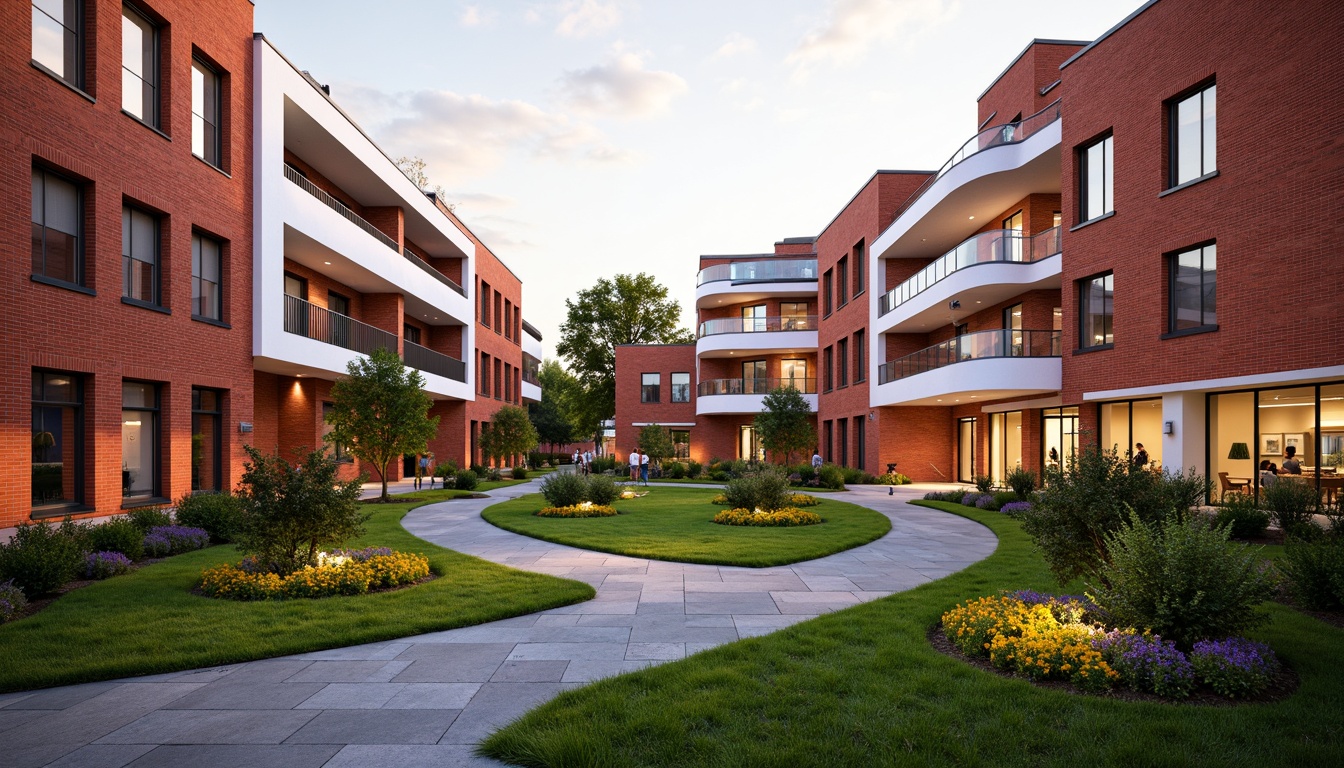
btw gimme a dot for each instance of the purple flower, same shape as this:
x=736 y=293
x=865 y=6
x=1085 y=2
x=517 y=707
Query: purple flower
x=1148 y=663
x=985 y=502
x=1015 y=507
x=969 y=499
x=1234 y=666
x=100 y=565
x=163 y=540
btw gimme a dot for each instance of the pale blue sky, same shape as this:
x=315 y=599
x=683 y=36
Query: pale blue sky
x=583 y=138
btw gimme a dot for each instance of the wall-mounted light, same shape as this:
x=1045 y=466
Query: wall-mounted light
x=1168 y=427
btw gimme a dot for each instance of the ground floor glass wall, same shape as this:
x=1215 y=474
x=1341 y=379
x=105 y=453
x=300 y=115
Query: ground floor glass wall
x=1246 y=429
x=1059 y=435
x=1005 y=444
x=1125 y=426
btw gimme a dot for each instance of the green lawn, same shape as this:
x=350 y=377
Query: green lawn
x=149 y=622
x=863 y=687
x=674 y=524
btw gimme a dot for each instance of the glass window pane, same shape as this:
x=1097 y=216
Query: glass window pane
x=1210 y=129
x=1095 y=194
x=49 y=40
x=1188 y=135
x=143 y=236
x=137 y=394
x=1108 y=176
x=62 y=205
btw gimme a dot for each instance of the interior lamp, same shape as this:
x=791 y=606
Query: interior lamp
x=1239 y=451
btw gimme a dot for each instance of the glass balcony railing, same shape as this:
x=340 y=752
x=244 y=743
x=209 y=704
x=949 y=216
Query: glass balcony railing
x=972 y=346
x=753 y=386
x=758 y=324
x=322 y=324
x=429 y=361
x=998 y=246
x=760 y=271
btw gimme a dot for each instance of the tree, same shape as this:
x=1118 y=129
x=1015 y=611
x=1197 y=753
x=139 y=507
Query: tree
x=785 y=423
x=631 y=309
x=416 y=169
x=656 y=441
x=380 y=411
x=552 y=427
x=559 y=417
x=510 y=434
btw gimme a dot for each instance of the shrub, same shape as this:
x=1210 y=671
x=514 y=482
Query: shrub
x=12 y=601
x=566 y=489
x=520 y=473
x=585 y=509
x=983 y=483
x=1149 y=664
x=494 y=475
x=40 y=558
x=766 y=489
x=219 y=514
x=602 y=489
x=786 y=517
x=1292 y=503
x=851 y=475
x=1015 y=507
x=146 y=518
x=1181 y=579
x=480 y=470
x=1234 y=667
x=1004 y=497
x=693 y=469
x=1314 y=572
x=1242 y=516
x=117 y=535
x=806 y=474
x=174 y=539
x=720 y=476
x=676 y=470
x=831 y=477
x=101 y=565
x=893 y=478
x=466 y=480
x=1023 y=483
x=986 y=501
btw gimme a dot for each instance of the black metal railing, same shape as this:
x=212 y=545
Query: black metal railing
x=339 y=207
x=1000 y=245
x=754 y=386
x=972 y=346
x=436 y=274
x=429 y=361
x=321 y=324
x=758 y=324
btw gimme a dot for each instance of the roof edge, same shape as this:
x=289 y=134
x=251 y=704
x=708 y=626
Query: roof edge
x=1018 y=57
x=1108 y=33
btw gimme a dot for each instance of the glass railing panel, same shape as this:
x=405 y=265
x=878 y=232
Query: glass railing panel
x=1001 y=245
x=758 y=324
x=754 y=386
x=973 y=346
x=760 y=271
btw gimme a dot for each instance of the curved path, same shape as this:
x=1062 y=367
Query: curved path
x=429 y=699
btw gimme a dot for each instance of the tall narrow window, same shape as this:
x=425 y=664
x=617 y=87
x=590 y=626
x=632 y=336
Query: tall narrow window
x=842 y=281
x=58 y=38
x=649 y=384
x=827 y=367
x=206 y=439
x=860 y=442
x=1095 y=182
x=1095 y=312
x=1192 y=286
x=139 y=439
x=843 y=439
x=681 y=387
x=205 y=113
x=842 y=357
x=139 y=255
x=139 y=66
x=58 y=439
x=58 y=249
x=1194 y=141
x=485 y=304
x=826 y=282
x=755 y=377
x=205 y=278
x=860 y=363
x=859 y=268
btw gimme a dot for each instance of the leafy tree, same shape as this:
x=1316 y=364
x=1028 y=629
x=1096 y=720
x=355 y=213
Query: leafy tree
x=552 y=427
x=631 y=309
x=511 y=434
x=785 y=423
x=416 y=169
x=656 y=441
x=380 y=411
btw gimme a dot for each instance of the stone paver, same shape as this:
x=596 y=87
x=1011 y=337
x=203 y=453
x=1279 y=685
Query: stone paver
x=429 y=699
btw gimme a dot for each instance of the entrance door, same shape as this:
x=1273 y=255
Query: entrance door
x=1012 y=237
x=749 y=445
x=966 y=450
x=754 y=379
x=794 y=374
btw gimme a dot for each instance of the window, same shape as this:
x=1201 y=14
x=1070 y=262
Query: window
x=508 y=383
x=1012 y=325
x=206 y=415
x=205 y=113
x=826 y=281
x=826 y=431
x=842 y=357
x=860 y=442
x=860 y=368
x=58 y=439
x=755 y=378
x=1194 y=141
x=649 y=385
x=842 y=280
x=858 y=268
x=485 y=304
x=1095 y=184
x=342 y=334
x=58 y=212
x=58 y=38
x=681 y=387
x=499 y=311
x=499 y=374
x=205 y=278
x=411 y=333
x=1094 y=310
x=827 y=365
x=485 y=374
x=338 y=451
x=681 y=443
x=793 y=373
x=139 y=255
x=793 y=316
x=753 y=319
x=843 y=439
x=139 y=439
x=1192 y=286
x=139 y=67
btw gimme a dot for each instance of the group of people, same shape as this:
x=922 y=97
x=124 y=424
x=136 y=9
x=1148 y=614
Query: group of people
x=1269 y=473
x=583 y=462
x=639 y=466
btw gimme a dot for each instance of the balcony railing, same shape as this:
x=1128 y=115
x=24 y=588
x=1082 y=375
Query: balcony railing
x=758 y=324
x=339 y=207
x=972 y=346
x=321 y=324
x=1000 y=245
x=760 y=271
x=436 y=274
x=429 y=361
x=711 y=387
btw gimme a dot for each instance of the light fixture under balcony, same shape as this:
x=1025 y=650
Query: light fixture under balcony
x=328 y=263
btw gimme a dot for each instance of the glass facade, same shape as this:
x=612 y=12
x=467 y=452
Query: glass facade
x=57 y=439
x=139 y=439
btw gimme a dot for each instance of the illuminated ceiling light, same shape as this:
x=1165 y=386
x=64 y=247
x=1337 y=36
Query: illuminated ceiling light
x=972 y=218
x=328 y=263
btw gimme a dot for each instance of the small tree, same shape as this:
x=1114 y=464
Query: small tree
x=656 y=441
x=380 y=411
x=785 y=423
x=289 y=513
x=511 y=434
x=552 y=427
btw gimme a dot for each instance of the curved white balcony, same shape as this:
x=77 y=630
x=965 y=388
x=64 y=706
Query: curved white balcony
x=743 y=396
x=746 y=281
x=992 y=171
x=730 y=336
x=976 y=367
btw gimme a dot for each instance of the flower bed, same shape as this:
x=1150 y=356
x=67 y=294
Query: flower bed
x=165 y=540
x=584 y=509
x=1057 y=638
x=789 y=516
x=803 y=500
x=343 y=572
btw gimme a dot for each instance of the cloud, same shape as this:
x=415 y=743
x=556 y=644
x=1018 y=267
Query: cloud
x=484 y=201
x=620 y=88
x=584 y=18
x=735 y=44
x=472 y=16
x=855 y=26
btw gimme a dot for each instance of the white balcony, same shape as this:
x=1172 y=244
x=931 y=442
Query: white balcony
x=976 y=367
x=716 y=397
x=731 y=336
x=748 y=281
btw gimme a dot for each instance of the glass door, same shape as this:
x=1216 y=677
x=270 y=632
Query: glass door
x=753 y=319
x=749 y=445
x=754 y=379
x=966 y=450
x=1012 y=237
x=1059 y=436
x=1012 y=324
x=794 y=374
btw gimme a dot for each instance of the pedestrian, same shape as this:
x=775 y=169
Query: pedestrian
x=634 y=465
x=816 y=460
x=644 y=467
x=587 y=462
x=421 y=470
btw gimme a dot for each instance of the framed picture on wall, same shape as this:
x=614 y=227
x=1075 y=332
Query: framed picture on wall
x=1295 y=440
x=1271 y=444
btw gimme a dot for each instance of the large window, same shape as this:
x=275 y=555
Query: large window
x=681 y=387
x=58 y=38
x=1194 y=141
x=139 y=66
x=793 y=373
x=139 y=439
x=205 y=278
x=57 y=439
x=205 y=113
x=1059 y=435
x=649 y=385
x=1005 y=444
x=206 y=439
x=58 y=212
x=753 y=319
x=1192 y=285
x=1095 y=297
x=793 y=316
x=139 y=255
x=1096 y=164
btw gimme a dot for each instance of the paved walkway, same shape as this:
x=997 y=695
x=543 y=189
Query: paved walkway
x=429 y=699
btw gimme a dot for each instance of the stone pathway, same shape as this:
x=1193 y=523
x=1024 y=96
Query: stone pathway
x=429 y=699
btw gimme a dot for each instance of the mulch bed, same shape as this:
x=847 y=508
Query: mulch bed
x=1284 y=684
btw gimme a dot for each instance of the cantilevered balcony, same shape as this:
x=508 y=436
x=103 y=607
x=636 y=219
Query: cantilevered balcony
x=729 y=335
x=746 y=395
x=981 y=366
x=745 y=281
x=429 y=361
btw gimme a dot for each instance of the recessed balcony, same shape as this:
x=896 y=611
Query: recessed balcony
x=728 y=336
x=745 y=281
x=975 y=367
x=746 y=395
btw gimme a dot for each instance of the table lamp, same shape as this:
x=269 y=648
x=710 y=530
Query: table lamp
x=1239 y=451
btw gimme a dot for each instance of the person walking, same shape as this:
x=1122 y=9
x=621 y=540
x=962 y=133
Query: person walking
x=421 y=469
x=634 y=465
x=644 y=467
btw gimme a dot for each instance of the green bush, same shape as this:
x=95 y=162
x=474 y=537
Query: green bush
x=851 y=475
x=1292 y=503
x=565 y=489
x=12 y=601
x=1314 y=572
x=766 y=489
x=1023 y=483
x=117 y=535
x=1242 y=516
x=720 y=476
x=602 y=489
x=693 y=469
x=219 y=514
x=831 y=477
x=149 y=518
x=520 y=473
x=480 y=471
x=1004 y=497
x=40 y=558
x=466 y=480
x=893 y=478
x=983 y=483
x=446 y=468
x=806 y=474
x=676 y=470
x=1181 y=579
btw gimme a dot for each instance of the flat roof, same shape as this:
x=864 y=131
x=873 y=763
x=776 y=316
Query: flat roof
x=1108 y=33
x=1018 y=57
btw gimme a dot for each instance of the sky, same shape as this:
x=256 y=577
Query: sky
x=581 y=139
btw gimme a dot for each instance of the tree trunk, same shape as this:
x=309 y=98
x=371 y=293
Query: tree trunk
x=385 y=498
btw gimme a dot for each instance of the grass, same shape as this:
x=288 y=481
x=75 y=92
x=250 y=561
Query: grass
x=674 y=524
x=862 y=686
x=149 y=622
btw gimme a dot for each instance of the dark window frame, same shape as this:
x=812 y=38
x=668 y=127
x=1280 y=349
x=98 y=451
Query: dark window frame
x=842 y=370
x=152 y=104
x=860 y=356
x=1085 y=312
x=78 y=261
x=40 y=400
x=198 y=411
x=650 y=393
x=76 y=57
x=129 y=211
x=681 y=393
x=1173 y=106
x=1107 y=142
x=827 y=280
x=156 y=436
x=842 y=280
x=213 y=150
x=1208 y=290
x=198 y=240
